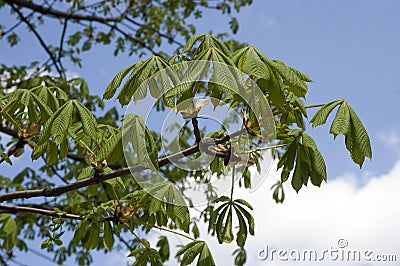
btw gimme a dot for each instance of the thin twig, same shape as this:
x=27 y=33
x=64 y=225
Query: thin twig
x=40 y=39
x=156 y=31
x=60 y=176
x=60 y=14
x=61 y=51
x=130 y=37
x=298 y=108
x=17 y=209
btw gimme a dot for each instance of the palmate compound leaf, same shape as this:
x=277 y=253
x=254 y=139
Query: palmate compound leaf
x=194 y=249
x=341 y=122
x=248 y=61
x=322 y=114
x=110 y=147
x=279 y=193
x=136 y=132
x=116 y=82
x=24 y=100
x=134 y=84
x=57 y=128
x=222 y=220
x=274 y=89
x=306 y=160
x=347 y=123
x=206 y=42
x=169 y=200
x=146 y=256
x=292 y=81
x=48 y=95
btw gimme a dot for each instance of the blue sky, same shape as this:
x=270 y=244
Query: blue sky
x=351 y=50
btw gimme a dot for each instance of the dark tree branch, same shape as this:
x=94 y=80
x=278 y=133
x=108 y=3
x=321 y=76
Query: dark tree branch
x=196 y=130
x=40 y=39
x=13 y=27
x=79 y=17
x=3 y=261
x=60 y=14
x=61 y=177
x=17 y=209
x=51 y=192
x=9 y=131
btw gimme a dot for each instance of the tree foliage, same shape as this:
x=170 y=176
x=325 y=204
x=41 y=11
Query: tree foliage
x=134 y=26
x=86 y=184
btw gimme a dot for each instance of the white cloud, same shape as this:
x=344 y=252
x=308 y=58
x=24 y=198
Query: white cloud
x=367 y=217
x=391 y=140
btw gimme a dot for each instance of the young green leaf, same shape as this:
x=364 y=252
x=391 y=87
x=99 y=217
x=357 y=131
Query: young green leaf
x=116 y=82
x=341 y=122
x=322 y=114
x=108 y=235
x=361 y=145
x=61 y=122
x=109 y=147
x=163 y=248
x=242 y=232
x=89 y=123
x=194 y=249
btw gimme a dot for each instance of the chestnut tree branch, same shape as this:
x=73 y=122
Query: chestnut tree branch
x=60 y=14
x=17 y=209
x=96 y=179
